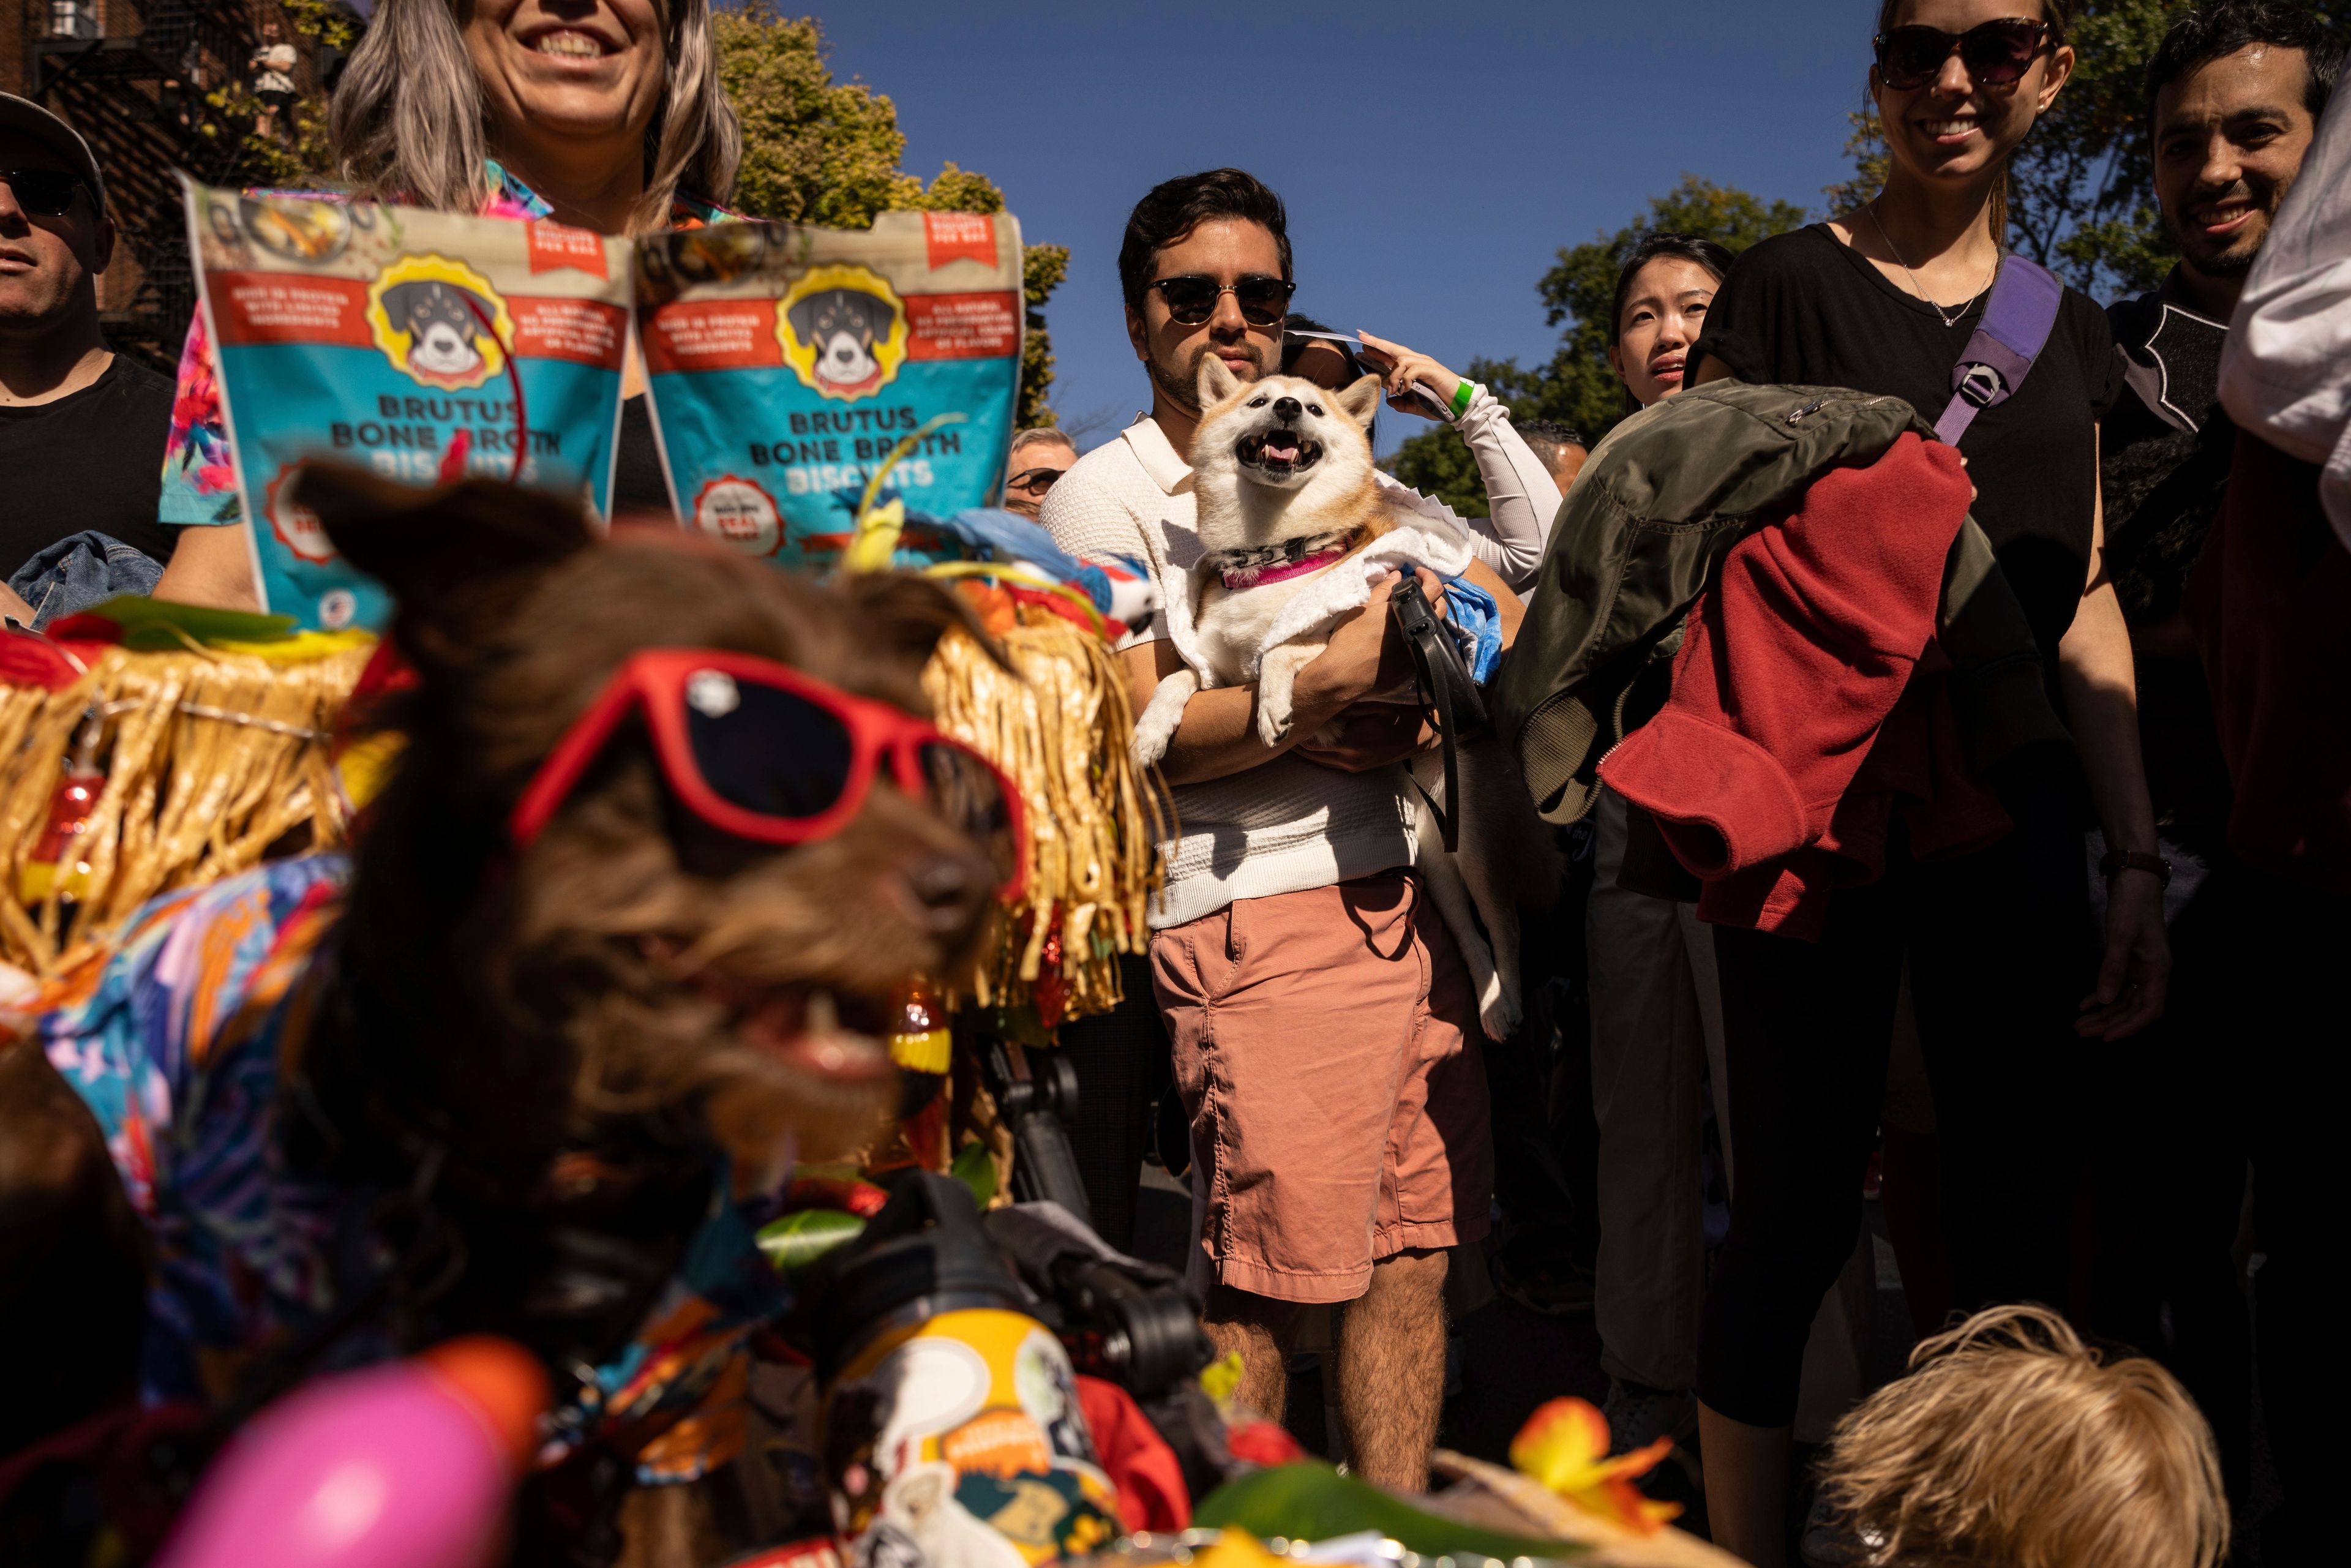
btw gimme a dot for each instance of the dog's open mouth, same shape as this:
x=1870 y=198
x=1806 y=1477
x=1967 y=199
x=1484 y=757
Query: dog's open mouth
x=828 y=1034
x=1278 y=453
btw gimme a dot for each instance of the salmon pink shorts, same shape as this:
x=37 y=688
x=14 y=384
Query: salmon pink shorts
x=1325 y=1047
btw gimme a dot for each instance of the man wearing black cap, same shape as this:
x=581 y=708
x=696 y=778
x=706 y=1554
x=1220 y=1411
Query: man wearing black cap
x=81 y=429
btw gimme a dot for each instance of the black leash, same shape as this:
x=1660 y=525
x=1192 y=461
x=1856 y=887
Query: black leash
x=1442 y=686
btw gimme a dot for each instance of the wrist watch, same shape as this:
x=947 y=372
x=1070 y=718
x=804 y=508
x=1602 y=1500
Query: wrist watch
x=2116 y=862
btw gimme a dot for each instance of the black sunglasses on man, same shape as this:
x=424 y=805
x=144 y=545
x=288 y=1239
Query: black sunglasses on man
x=1037 y=481
x=1192 y=298
x=44 y=193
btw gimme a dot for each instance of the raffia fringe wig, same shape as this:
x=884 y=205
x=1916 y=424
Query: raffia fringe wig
x=208 y=759
x=1059 y=728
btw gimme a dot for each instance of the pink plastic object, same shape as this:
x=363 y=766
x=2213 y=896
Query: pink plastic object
x=405 y=1466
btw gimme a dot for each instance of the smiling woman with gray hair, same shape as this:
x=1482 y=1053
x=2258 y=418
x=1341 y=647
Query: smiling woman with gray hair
x=606 y=115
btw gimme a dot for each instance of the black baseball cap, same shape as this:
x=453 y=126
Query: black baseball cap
x=23 y=115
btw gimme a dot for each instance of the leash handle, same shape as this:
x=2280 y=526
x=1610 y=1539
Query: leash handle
x=1426 y=638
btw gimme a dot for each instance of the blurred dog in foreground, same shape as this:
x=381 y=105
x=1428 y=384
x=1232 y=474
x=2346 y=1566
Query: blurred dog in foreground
x=614 y=949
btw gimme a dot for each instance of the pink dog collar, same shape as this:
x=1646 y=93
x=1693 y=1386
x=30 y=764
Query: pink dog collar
x=1256 y=567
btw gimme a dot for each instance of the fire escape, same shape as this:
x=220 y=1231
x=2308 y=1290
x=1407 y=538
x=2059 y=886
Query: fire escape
x=134 y=76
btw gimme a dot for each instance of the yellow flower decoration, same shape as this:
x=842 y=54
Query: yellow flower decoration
x=1563 y=1447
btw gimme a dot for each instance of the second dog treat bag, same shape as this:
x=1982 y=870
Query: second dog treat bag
x=422 y=346
x=787 y=363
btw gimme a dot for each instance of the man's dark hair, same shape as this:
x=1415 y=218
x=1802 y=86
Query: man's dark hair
x=2221 y=28
x=1545 y=437
x=1688 y=248
x=1173 y=208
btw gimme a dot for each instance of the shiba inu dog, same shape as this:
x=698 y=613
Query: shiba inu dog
x=1291 y=522
x=1282 y=471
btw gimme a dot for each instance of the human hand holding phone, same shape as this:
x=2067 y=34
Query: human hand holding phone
x=1415 y=382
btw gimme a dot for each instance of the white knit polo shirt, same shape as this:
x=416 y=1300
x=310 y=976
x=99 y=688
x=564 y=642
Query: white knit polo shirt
x=1280 y=828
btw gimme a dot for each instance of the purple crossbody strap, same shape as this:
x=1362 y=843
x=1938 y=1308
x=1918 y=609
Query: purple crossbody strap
x=2016 y=322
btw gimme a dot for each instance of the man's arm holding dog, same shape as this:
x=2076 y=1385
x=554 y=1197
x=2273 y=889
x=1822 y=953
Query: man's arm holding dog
x=1375 y=734
x=1218 y=736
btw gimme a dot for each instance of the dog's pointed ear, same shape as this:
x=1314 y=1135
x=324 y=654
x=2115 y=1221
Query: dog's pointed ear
x=904 y=615
x=433 y=548
x=1360 y=401
x=1217 y=381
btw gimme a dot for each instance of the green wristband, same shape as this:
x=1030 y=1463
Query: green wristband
x=1463 y=395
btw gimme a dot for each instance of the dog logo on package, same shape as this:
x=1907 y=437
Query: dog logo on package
x=844 y=331
x=439 y=322
x=426 y=346
x=790 y=365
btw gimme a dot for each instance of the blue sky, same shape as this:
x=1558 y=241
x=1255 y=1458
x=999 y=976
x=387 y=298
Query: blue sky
x=1434 y=155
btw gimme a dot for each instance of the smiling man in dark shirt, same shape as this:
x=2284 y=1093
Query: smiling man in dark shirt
x=2234 y=95
x=82 y=428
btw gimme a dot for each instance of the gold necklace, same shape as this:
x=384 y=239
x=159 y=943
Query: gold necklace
x=1952 y=318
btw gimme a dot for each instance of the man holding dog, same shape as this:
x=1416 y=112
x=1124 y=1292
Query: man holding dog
x=1323 y=1023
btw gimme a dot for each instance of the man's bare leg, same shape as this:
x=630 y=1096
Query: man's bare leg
x=1260 y=1329
x=1392 y=1370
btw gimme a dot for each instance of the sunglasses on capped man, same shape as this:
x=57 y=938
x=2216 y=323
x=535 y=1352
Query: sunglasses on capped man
x=763 y=752
x=1192 y=299
x=44 y=193
x=1997 y=54
x=1037 y=479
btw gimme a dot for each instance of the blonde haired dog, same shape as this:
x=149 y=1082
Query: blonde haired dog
x=1294 y=530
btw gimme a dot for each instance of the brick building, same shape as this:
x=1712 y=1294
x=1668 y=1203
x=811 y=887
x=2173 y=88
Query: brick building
x=150 y=84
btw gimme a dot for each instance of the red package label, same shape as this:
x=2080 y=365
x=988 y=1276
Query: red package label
x=963 y=326
x=279 y=307
x=585 y=332
x=711 y=335
x=554 y=246
x=959 y=237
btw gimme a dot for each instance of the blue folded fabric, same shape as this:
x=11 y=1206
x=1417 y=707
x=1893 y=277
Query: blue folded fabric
x=80 y=571
x=1476 y=622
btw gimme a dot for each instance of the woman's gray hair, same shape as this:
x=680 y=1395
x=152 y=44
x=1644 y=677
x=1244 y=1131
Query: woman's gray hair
x=409 y=121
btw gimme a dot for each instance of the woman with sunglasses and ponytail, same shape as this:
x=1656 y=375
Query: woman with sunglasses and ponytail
x=605 y=115
x=1883 y=299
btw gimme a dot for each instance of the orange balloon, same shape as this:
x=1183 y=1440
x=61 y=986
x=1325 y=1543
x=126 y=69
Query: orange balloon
x=498 y=1381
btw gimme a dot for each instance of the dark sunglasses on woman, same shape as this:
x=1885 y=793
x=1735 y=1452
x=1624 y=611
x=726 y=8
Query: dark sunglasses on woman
x=1192 y=299
x=1997 y=54
x=44 y=193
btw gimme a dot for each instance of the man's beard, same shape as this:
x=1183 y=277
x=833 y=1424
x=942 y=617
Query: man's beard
x=1184 y=391
x=2235 y=259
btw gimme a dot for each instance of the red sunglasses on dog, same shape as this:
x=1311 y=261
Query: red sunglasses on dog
x=761 y=752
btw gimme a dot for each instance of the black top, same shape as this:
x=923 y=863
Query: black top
x=2163 y=457
x=1803 y=309
x=637 y=482
x=2165 y=449
x=92 y=459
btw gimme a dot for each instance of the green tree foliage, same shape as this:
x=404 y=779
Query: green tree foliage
x=1576 y=387
x=2080 y=190
x=817 y=151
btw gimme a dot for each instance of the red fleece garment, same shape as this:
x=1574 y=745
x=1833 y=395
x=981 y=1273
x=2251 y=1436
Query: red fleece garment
x=1140 y=1464
x=1792 y=662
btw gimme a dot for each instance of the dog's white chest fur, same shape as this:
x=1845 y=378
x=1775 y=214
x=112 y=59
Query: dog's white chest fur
x=1234 y=623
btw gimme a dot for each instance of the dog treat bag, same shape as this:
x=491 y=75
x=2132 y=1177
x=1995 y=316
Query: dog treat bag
x=424 y=346
x=787 y=363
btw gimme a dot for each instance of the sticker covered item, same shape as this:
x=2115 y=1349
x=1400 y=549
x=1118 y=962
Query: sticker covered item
x=424 y=346
x=789 y=364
